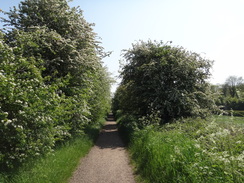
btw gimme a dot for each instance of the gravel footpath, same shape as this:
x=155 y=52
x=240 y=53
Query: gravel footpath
x=107 y=162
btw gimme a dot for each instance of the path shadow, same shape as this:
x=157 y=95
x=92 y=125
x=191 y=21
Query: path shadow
x=110 y=117
x=109 y=136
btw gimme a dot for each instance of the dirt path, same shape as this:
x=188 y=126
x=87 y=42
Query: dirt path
x=107 y=162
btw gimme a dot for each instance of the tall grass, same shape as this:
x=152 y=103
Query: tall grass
x=190 y=151
x=56 y=167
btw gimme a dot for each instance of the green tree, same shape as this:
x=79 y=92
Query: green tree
x=166 y=80
x=232 y=85
x=233 y=93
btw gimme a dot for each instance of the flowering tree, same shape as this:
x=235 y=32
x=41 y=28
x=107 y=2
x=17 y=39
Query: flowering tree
x=165 y=80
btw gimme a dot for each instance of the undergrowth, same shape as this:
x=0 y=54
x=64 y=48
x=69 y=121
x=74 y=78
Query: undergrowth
x=192 y=150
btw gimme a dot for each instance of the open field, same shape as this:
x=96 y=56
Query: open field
x=231 y=120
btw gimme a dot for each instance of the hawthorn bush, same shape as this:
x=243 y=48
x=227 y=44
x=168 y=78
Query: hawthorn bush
x=27 y=105
x=52 y=80
x=163 y=82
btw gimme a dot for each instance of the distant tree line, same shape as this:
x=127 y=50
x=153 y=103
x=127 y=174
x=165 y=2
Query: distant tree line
x=231 y=93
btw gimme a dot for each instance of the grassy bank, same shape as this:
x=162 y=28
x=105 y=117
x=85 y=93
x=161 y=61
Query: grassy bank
x=56 y=167
x=193 y=151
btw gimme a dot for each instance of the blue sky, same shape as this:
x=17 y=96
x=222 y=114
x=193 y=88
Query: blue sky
x=214 y=28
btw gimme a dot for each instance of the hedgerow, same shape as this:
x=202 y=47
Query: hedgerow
x=52 y=80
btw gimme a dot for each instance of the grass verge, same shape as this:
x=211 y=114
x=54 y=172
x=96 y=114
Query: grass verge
x=56 y=167
x=194 y=151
